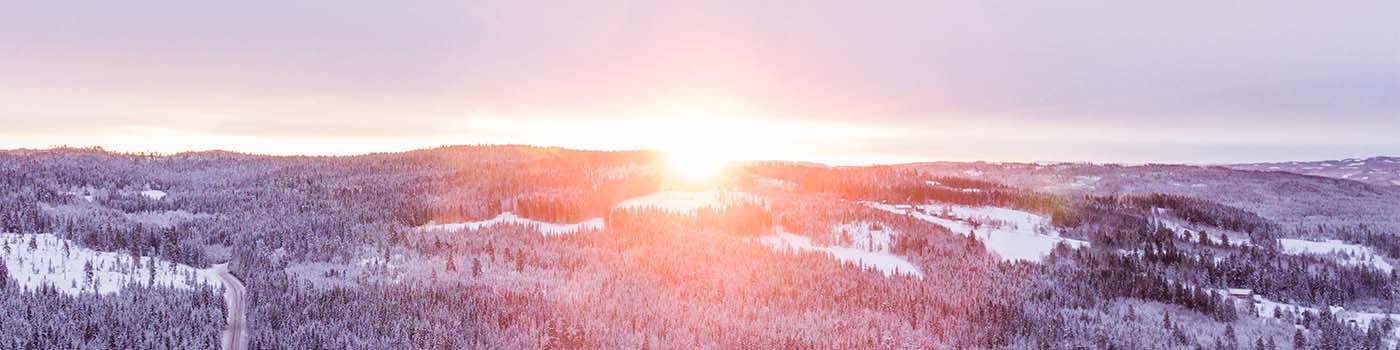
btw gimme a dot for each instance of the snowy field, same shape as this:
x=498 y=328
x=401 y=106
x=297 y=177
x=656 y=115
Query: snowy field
x=1345 y=253
x=867 y=249
x=153 y=194
x=1162 y=217
x=90 y=194
x=48 y=263
x=685 y=202
x=1009 y=234
x=167 y=218
x=1361 y=319
x=866 y=235
x=84 y=196
x=546 y=228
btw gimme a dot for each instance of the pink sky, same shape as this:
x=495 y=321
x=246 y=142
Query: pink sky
x=1192 y=81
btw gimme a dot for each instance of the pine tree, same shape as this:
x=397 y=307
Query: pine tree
x=519 y=261
x=1299 y=340
x=1180 y=336
x=491 y=250
x=1231 y=341
x=4 y=274
x=1374 y=337
x=451 y=263
x=87 y=273
x=476 y=267
x=150 y=272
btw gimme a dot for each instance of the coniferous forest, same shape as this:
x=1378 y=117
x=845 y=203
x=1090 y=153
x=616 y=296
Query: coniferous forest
x=518 y=247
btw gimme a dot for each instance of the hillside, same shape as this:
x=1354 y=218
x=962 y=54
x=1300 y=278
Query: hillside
x=1286 y=198
x=1379 y=171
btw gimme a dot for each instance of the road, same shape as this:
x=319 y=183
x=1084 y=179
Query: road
x=236 y=333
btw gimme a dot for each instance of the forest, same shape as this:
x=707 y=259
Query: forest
x=333 y=255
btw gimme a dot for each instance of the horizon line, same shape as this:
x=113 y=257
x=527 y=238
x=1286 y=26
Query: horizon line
x=100 y=148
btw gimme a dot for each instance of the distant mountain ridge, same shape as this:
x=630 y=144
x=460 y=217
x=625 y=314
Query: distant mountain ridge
x=1380 y=171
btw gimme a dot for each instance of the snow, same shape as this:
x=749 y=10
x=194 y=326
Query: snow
x=866 y=235
x=622 y=171
x=153 y=194
x=973 y=173
x=1363 y=319
x=85 y=195
x=880 y=259
x=685 y=202
x=1177 y=227
x=546 y=228
x=1345 y=253
x=1192 y=235
x=776 y=183
x=47 y=264
x=1011 y=234
x=167 y=218
x=1163 y=218
x=933 y=183
x=1085 y=181
x=1266 y=307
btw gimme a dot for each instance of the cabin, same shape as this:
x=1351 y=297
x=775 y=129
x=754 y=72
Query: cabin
x=1241 y=293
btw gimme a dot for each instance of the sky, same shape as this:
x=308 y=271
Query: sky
x=892 y=81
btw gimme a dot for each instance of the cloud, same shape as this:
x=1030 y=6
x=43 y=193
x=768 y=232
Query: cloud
x=367 y=69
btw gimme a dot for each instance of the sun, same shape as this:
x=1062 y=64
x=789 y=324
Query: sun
x=698 y=148
x=697 y=164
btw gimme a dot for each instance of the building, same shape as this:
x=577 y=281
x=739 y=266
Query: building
x=1241 y=293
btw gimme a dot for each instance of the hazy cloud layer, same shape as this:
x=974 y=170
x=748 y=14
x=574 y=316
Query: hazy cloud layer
x=1205 y=71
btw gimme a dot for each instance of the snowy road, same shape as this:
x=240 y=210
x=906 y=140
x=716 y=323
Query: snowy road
x=235 y=334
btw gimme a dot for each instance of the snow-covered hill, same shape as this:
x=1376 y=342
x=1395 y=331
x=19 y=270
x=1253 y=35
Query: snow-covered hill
x=865 y=247
x=1345 y=253
x=1010 y=234
x=1284 y=197
x=34 y=260
x=1382 y=171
